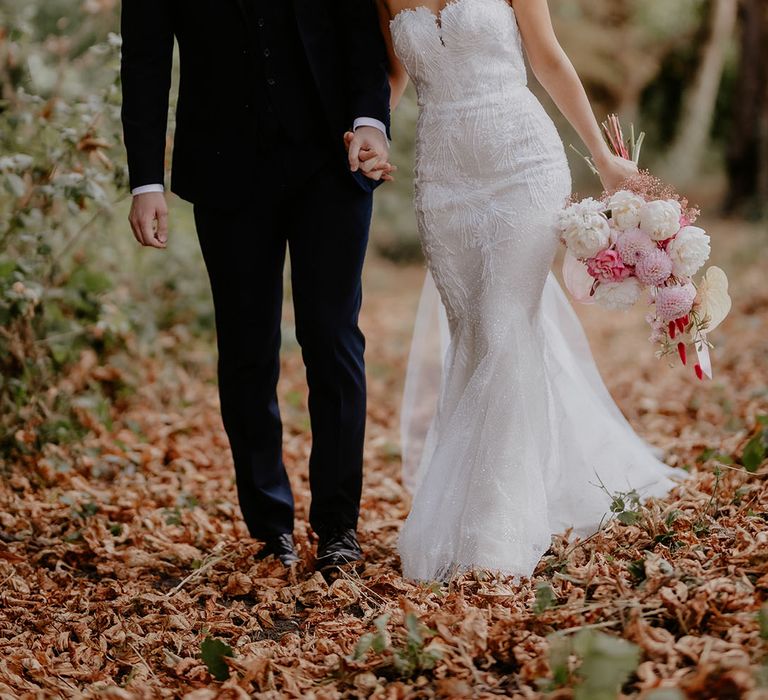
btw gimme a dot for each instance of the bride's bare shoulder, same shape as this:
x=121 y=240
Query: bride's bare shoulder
x=384 y=7
x=392 y=8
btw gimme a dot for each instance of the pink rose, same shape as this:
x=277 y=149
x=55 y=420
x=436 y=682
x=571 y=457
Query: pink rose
x=607 y=266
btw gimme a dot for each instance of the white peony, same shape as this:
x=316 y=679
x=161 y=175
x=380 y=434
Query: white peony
x=660 y=219
x=584 y=228
x=689 y=251
x=619 y=295
x=625 y=209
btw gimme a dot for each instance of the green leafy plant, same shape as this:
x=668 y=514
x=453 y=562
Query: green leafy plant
x=636 y=569
x=213 y=652
x=756 y=450
x=545 y=598
x=408 y=655
x=712 y=454
x=626 y=506
x=702 y=523
x=376 y=641
x=762 y=671
x=604 y=663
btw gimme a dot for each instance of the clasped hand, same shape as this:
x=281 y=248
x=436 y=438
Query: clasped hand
x=368 y=152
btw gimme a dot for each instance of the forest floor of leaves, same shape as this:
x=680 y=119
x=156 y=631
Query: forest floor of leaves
x=120 y=555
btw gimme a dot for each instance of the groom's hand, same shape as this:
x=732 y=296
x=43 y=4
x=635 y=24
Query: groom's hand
x=367 y=138
x=149 y=219
x=371 y=162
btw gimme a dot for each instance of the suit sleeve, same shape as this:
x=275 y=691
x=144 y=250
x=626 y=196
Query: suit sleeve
x=366 y=58
x=146 y=67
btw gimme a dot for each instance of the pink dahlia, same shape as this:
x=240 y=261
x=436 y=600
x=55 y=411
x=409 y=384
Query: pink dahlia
x=653 y=267
x=675 y=301
x=607 y=266
x=632 y=243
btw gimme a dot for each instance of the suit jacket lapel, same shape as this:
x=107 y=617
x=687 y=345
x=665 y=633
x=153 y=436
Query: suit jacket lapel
x=307 y=13
x=301 y=9
x=243 y=9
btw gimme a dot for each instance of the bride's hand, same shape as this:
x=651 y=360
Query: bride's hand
x=615 y=171
x=372 y=164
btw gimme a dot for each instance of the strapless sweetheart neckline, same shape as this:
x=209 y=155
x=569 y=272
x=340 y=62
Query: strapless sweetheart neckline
x=436 y=16
x=437 y=20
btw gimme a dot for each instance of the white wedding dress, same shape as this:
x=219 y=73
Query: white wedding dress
x=524 y=430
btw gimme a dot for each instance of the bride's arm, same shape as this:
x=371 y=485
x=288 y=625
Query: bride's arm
x=398 y=78
x=556 y=73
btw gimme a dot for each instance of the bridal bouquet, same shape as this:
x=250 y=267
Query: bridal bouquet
x=641 y=242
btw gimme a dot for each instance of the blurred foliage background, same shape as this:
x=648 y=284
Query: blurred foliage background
x=75 y=288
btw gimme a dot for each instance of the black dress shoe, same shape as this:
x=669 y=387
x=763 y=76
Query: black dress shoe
x=337 y=547
x=282 y=547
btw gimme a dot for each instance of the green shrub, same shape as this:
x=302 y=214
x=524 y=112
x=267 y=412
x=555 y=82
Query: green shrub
x=59 y=137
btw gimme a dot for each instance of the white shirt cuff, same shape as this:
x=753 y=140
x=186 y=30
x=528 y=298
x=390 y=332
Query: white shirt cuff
x=368 y=121
x=145 y=189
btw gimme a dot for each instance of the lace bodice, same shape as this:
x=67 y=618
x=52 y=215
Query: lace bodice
x=472 y=50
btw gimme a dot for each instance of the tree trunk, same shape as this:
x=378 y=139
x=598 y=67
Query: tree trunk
x=687 y=151
x=747 y=162
x=762 y=174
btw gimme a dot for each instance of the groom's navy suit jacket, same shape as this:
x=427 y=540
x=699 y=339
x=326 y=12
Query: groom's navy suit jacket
x=226 y=92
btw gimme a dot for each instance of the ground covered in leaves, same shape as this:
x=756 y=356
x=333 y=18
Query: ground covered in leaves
x=125 y=570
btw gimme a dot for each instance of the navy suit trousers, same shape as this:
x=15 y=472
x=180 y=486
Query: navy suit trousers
x=323 y=223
